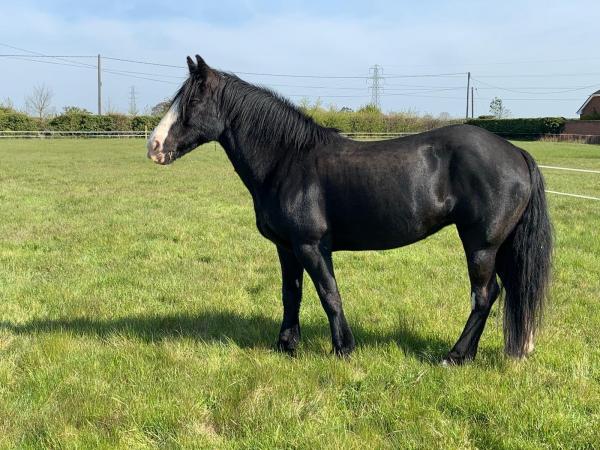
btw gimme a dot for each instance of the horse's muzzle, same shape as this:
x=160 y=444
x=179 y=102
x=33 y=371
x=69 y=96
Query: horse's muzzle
x=156 y=153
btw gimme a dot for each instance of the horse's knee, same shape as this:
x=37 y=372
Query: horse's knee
x=481 y=300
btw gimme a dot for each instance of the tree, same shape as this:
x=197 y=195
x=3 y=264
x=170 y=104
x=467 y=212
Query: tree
x=318 y=105
x=304 y=104
x=160 y=109
x=39 y=102
x=369 y=108
x=110 y=107
x=75 y=110
x=7 y=104
x=498 y=110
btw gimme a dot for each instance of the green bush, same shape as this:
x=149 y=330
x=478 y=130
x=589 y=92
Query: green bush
x=77 y=121
x=143 y=123
x=365 y=120
x=522 y=128
x=371 y=120
x=16 y=121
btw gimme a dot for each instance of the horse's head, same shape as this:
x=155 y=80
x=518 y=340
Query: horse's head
x=193 y=118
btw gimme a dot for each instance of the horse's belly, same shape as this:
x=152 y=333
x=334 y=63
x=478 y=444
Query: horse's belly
x=383 y=231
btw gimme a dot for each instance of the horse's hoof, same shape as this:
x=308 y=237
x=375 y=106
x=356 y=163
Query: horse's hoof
x=286 y=347
x=344 y=351
x=289 y=340
x=289 y=347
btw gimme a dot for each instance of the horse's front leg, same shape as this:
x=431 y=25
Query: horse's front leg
x=316 y=259
x=291 y=292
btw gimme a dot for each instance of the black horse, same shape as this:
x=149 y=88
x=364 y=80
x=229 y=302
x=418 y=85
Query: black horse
x=316 y=192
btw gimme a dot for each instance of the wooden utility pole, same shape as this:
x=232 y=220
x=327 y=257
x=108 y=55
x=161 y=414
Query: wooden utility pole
x=468 y=86
x=99 y=87
x=472 y=97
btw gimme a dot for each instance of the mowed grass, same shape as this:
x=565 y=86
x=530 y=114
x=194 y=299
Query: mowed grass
x=139 y=308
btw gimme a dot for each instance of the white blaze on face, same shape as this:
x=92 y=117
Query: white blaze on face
x=159 y=134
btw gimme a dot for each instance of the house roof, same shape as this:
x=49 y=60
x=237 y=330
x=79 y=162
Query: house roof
x=595 y=94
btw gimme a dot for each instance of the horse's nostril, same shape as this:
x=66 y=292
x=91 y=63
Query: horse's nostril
x=156 y=145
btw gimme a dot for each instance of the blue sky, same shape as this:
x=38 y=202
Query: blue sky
x=539 y=56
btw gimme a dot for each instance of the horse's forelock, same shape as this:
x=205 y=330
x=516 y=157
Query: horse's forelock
x=186 y=93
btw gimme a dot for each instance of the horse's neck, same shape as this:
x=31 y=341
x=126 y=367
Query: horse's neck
x=252 y=164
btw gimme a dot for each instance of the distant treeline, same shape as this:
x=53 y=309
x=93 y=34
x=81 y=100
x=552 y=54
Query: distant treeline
x=368 y=120
x=11 y=120
x=522 y=128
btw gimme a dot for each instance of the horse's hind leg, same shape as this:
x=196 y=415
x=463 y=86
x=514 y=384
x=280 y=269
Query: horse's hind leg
x=484 y=291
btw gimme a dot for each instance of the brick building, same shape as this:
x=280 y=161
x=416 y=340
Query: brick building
x=591 y=107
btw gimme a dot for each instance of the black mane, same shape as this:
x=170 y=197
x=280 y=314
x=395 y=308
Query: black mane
x=263 y=116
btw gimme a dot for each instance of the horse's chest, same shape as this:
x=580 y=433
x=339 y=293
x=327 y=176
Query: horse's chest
x=267 y=226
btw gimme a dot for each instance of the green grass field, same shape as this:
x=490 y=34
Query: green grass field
x=139 y=308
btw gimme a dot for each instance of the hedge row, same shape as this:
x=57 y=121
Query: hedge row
x=15 y=121
x=373 y=121
x=522 y=127
x=360 y=121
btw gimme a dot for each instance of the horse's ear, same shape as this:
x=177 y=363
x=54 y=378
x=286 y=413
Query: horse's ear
x=198 y=68
x=191 y=65
x=201 y=67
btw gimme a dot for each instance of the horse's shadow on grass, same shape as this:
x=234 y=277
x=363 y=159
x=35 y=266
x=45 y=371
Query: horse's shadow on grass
x=255 y=331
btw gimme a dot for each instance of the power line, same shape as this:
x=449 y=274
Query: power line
x=430 y=75
x=390 y=87
x=541 y=88
x=544 y=99
x=517 y=91
x=21 y=58
x=288 y=75
x=490 y=63
x=125 y=73
x=542 y=75
x=452 y=74
x=129 y=74
x=143 y=62
x=42 y=55
x=116 y=72
x=149 y=74
x=10 y=55
x=376 y=78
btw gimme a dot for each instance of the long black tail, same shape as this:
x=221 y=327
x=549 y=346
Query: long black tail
x=524 y=263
